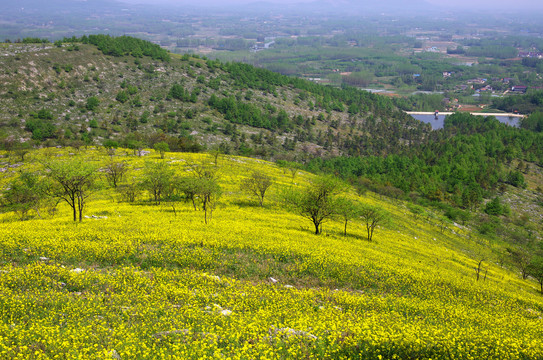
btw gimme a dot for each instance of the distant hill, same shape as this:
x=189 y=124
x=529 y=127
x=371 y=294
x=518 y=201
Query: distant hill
x=336 y=6
x=54 y=6
x=397 y=5
x=345 y=7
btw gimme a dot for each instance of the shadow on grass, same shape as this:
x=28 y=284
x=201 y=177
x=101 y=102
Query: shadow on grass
x=249 y=204
x=350 y=236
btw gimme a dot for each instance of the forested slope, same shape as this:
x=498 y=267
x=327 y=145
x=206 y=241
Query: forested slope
x=103 y=90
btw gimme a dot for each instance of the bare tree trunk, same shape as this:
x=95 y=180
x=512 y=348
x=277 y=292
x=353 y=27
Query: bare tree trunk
x=205 y=205
x=80 y=205
x=478 y=269
x=194 y=204
x=370 y=228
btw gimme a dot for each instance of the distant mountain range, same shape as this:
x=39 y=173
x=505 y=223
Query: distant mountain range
x=372 y=5
x=335 y=6
x=27 y=7
x=29 y=4
x=320 y=7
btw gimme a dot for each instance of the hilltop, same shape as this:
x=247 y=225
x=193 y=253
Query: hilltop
x=255 y=282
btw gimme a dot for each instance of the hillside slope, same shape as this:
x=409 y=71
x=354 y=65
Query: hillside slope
x=191 y=103
x=138 y=280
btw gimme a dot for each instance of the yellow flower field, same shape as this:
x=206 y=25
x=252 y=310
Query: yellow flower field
x=138 y=281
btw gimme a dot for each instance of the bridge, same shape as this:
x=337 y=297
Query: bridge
x=473 y=113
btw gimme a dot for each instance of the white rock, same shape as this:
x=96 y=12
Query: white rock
x=226 y=312
x=114 y=354
x=293 y=332
x=163 y=334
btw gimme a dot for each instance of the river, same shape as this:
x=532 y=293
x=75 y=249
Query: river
x=438 y=124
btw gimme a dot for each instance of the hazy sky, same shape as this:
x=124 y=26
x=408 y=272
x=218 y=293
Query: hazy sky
x=502 y=4
x=491 y=3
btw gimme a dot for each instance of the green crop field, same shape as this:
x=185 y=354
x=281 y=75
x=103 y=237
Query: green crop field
x=140 y=280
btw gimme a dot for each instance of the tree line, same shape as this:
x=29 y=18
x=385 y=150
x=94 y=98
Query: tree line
x=460 y=164
x=524 y=104
x=74 y=181
x=122 y=46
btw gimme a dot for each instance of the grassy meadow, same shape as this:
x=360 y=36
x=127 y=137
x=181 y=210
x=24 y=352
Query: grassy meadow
x=142 y=281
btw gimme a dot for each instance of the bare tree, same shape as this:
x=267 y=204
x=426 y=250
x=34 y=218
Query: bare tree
x=162 y=148
x=129 y=191
x=24 y=193
x=290 y=166
x=189 y=187
x=208 y=192
x=205 y=171
x=114 y=172
x=317 y=202
x=202 y=188
x=73 y=180
x=479 y=269
x=257 y=184
x=157 y=179
x=536 y=270
x=216 y=154
x=371 y=217
x=21 y=149
x=521 y=257
x=346 y=211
